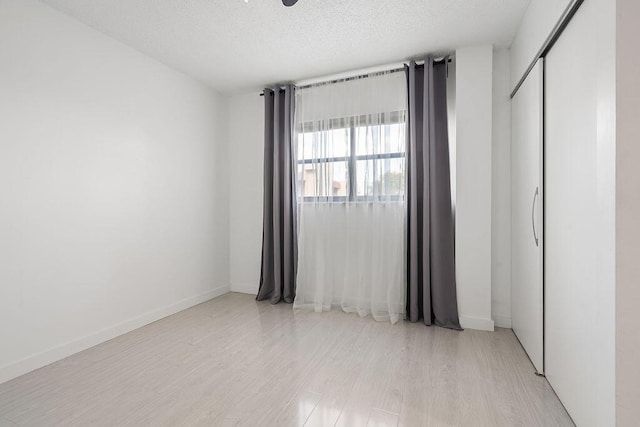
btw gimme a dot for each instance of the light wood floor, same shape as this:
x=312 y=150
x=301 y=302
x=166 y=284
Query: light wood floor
x=233 y=361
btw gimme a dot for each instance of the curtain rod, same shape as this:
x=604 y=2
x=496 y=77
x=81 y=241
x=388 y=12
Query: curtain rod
x=361 y=76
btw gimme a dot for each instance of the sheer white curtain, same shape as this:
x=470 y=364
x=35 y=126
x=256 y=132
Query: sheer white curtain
x=351 y=140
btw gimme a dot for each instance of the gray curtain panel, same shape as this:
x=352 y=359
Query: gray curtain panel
x=431 y=280
x=279 y=248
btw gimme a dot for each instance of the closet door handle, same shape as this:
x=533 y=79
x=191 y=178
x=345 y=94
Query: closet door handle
x=533 y=220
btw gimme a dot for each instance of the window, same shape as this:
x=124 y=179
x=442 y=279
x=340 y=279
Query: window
x=356 y=159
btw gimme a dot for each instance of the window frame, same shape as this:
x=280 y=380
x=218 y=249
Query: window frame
x=395 y=117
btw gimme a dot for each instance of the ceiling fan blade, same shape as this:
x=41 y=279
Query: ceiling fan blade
x=289 y=3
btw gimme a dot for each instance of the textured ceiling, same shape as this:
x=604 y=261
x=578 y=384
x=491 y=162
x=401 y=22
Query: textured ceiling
x=236 y=46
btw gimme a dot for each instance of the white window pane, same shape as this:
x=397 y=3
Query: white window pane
x=380 y=177
x=323 y=179
x=380 y=139
x=324 y=144
x=364 y=178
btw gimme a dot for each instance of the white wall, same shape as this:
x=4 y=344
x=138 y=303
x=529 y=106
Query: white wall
x=627 y=214
x=113 y=188
x=474 y=83
x=246 y=158
x=536 y=24
x=501 y=192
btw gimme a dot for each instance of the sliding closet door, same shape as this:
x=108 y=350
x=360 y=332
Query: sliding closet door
x=572 y=307
x=526 y=215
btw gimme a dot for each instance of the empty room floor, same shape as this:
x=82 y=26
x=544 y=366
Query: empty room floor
x=233 y=361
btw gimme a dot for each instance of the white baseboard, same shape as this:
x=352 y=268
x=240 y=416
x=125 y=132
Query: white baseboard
x=502 y=321
x=244 y=288
x=476 y=323
x=38 y=360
